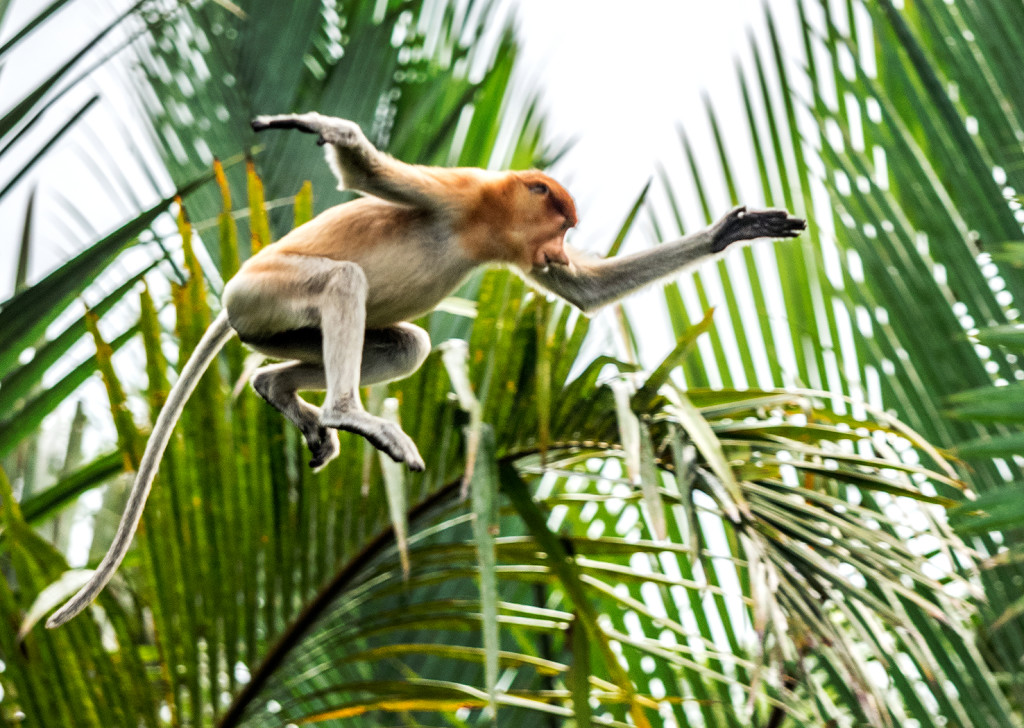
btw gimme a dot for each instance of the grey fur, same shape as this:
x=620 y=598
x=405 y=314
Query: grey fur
x=212 y=342
x=590 y=283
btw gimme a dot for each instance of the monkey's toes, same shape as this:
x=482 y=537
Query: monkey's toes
x=323 y=448
x=398 y=446
x=405 y=451
x=408 y=455
x=384 y=435
x=303 y=122
x=416 y=464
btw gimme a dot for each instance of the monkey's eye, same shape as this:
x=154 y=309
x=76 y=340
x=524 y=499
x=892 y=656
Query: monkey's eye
x=539 y=188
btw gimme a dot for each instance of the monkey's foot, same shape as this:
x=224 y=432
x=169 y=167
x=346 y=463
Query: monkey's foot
x=323 y=446
x=329 y=129
x=741 y=224
x=384 y=435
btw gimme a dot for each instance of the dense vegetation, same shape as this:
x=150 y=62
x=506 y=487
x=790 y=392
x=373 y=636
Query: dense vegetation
x=598 y=539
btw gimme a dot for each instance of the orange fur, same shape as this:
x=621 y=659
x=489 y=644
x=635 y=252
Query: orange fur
x=485 y=217
x=507 y=222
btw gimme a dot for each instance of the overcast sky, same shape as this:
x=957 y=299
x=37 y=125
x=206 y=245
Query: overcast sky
x=622 y=82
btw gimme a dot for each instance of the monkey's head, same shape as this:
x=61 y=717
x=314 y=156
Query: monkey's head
x=545 y=211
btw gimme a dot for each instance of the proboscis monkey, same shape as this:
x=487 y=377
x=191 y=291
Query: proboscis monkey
x=333 y=298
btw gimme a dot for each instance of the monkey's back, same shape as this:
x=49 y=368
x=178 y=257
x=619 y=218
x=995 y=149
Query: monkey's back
x=403 y=252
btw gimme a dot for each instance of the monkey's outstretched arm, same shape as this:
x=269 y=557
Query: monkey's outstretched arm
x=361 y=166
x=589 y=283
x=212 y=342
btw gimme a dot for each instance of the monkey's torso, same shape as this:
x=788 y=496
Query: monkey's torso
x=402 y=251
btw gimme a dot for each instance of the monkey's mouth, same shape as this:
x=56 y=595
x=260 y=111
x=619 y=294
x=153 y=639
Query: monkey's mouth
x=546 y=265
x=550 y=253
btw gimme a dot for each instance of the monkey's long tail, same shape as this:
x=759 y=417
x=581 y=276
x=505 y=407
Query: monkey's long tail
x=212 y=342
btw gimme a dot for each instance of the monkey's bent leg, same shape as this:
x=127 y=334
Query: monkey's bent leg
x=390 y=353
x=393 y=352
x=343 y=324
x=284 y=305
x=279 y=385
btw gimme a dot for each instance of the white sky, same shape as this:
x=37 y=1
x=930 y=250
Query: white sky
x=623 y=81
x=623 y=84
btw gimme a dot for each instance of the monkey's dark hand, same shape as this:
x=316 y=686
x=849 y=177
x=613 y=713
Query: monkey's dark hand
x=741 y=224
x=329 y=130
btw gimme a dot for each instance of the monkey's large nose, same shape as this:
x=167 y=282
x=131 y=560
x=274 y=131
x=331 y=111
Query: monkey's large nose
x=557 y=256
x=551 y=251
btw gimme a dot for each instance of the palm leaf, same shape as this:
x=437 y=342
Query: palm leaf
x=771 y=553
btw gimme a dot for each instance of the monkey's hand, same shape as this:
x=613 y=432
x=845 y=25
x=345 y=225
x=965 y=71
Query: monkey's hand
x=741 y=224
x=329 y=129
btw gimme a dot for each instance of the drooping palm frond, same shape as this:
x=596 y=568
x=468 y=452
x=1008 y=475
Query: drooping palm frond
x=757 y=597
x=894 y=135
x=66 y=679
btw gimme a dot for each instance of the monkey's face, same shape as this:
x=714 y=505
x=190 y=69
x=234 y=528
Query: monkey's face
x=547 y=211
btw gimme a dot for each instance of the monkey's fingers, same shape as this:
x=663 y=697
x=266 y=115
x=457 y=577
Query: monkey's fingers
x=742 y=224
x=779 y=223
x=794 y=226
